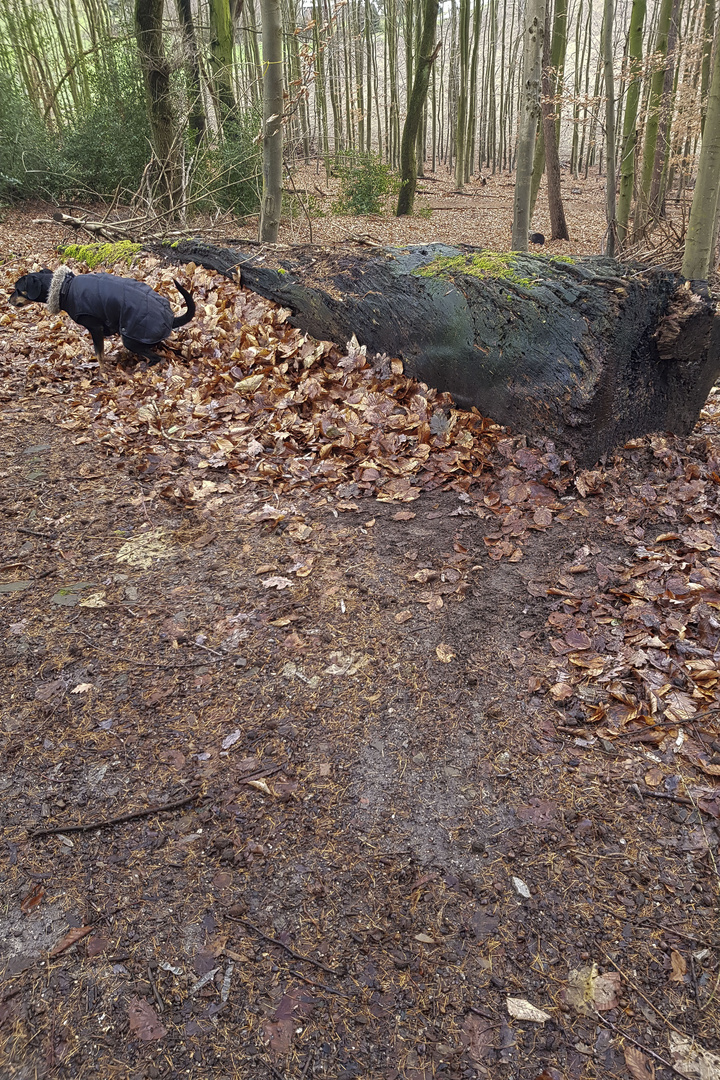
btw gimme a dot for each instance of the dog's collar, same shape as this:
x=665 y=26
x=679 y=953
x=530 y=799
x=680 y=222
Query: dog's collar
x=58 y=280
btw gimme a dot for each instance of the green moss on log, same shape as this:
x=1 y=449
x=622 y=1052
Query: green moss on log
x=98 y=254
x=482 y=264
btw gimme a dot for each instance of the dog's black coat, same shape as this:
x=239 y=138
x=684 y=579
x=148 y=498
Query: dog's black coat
x=105 y=305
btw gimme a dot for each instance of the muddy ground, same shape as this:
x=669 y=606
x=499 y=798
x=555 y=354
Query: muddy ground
x=359 y=823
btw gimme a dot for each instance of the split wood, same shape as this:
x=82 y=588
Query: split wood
x=108 y=822
x=282 y=945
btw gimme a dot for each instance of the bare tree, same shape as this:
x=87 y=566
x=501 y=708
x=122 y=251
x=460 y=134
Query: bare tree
x=272 y=120
x=534 y=35
x=421 y=80
x=704 y=211
x=156 y=73
x=609 y=127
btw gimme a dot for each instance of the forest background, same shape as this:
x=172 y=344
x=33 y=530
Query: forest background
x=159 y=106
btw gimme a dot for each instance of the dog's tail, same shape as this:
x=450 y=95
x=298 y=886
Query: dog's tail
x=180 y=320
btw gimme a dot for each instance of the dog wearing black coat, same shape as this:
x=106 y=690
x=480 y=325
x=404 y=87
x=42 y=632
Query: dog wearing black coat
x=105 y=305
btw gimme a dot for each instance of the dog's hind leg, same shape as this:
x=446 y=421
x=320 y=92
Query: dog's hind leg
x=141 y=349
x=97 y=333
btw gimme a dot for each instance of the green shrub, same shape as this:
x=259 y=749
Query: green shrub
x=105 y=148
x=366 y=182
x=229 y=175
x=28 y=152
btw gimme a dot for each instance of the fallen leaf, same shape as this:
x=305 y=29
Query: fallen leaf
x=82 y=688
x=403 y=616
x=520 y=1009
x=144 y=1021
x=478 y=1036
x=691 y=1060
x=231 y=739
x=260 y=785
x=425 y=939
x=640 y=1066
x=679 y=966
x=445 y=654
x=277 y=583
x=521 y=888
x=587 y=989
x=71 y=938
x=33 y=898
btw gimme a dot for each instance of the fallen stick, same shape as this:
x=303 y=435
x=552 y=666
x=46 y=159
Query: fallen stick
x=108 y=822
x=282 y=945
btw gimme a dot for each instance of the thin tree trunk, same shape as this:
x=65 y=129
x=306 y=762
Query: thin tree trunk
x=609 y=128
x=533 y=37
x=156 y=73
x=652 y=121
x=700 y=239
x=558 y=225
x=196 y=119
x=272 y=120
x=424 y=60
x=629 y=140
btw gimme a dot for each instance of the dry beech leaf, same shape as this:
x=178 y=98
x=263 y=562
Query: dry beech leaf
x=679 y=966
x=71 y=938
x=692 y=1060
x=445 y=654
x=260 y=785
x=640 y=1066
x=144 y=1021
x=520 y=1009
x=403 y=616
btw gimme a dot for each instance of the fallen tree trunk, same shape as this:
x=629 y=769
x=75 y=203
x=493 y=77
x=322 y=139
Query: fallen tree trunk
x=590 y=352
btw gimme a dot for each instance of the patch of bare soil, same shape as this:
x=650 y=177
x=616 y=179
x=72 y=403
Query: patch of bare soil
x=334 y=775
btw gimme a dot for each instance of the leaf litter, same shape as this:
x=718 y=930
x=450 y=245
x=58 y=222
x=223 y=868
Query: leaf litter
x=466 y=751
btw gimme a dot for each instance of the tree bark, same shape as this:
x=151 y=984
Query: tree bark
x=424 y=60
x=558 y=224
x=272 y=120
x=527 y=122
x=156 y=74
x=629 y=141
x=196 y=121
x=221 y=55
x=589 y=352
x=610 y=210
x=701 y=227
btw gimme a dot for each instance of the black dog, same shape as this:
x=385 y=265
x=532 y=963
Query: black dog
x=105 y=305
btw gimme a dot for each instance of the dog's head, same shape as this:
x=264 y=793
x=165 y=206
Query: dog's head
x=31 y=289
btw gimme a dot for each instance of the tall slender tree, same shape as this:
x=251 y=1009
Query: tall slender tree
x=702 y=227
x=533 y=36
x=558 y=224
x=272 y=120
x=156 y=73
x=610 y=213
x=421 y=79
x=629 y=136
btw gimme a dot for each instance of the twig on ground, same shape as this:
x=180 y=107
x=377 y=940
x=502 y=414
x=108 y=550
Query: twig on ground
x=645 y=1049
x=646 y=999
x=121 y=819
x=158 y=1000
x=282 y=945
x=314 y=982
x=34 y=532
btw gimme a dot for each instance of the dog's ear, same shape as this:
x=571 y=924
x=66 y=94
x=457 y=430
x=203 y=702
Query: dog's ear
x=33 y=286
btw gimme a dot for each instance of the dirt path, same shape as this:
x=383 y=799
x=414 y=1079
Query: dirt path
x=400 y=809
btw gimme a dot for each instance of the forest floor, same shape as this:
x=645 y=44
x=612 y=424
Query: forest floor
x=345 y=734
